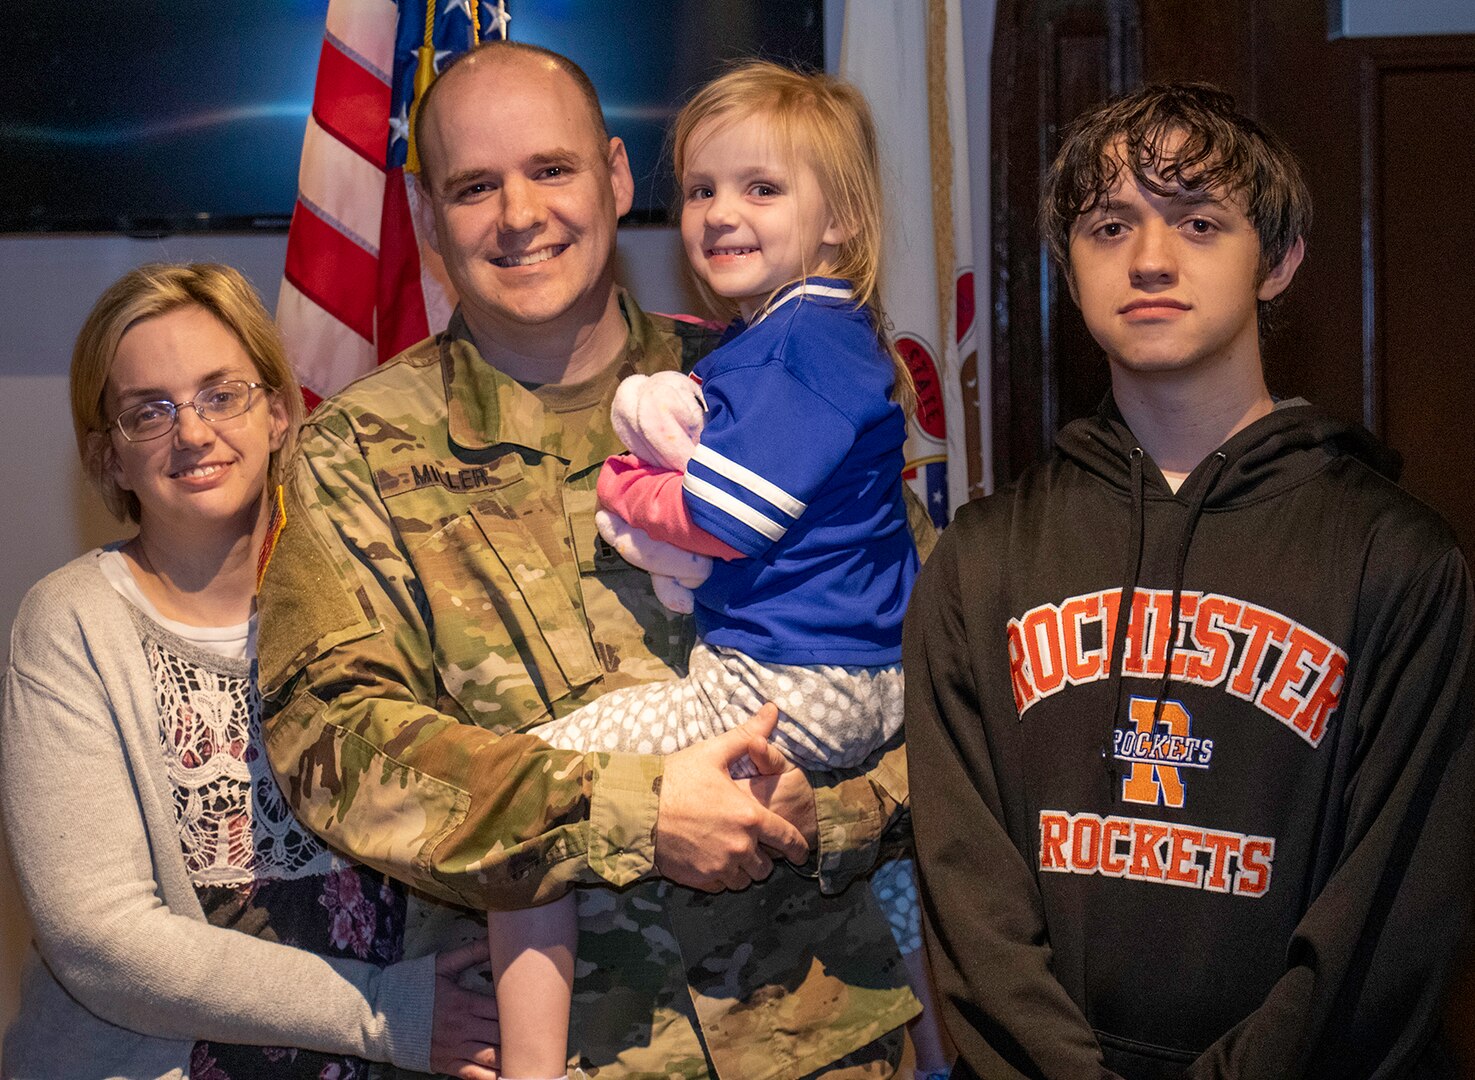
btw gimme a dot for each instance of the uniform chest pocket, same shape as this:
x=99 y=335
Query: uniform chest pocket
x=510 y=641
x=636 y=639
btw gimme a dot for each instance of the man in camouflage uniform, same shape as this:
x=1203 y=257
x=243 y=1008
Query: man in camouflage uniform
x=440 y=587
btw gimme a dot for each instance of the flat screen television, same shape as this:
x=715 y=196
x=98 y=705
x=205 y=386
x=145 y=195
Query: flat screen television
x=156 y=116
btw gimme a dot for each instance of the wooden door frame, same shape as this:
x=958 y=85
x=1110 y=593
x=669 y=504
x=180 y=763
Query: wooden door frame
x=1051 y=59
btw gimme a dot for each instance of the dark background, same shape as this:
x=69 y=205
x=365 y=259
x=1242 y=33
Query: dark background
x=178 y=116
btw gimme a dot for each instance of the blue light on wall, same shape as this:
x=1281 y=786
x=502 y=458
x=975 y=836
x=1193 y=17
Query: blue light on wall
x=188 y=116
x=1400 y=18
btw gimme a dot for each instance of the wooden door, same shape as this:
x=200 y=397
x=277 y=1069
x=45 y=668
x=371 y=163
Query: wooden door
x=1052 y=59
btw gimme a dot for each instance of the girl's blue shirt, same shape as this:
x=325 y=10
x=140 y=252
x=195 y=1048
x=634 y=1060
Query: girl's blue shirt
x=799 y=468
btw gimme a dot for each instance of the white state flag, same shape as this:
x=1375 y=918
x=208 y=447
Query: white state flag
x=907 y=58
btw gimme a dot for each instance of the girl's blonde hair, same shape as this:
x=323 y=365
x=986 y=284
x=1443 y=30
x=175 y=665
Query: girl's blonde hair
x=826 y=123
x=157 y=289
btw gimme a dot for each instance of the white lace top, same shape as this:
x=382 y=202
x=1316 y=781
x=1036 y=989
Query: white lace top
x=234 y=822
x=235 y=826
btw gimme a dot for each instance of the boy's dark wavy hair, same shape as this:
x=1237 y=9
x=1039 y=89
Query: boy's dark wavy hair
x=1221 y=151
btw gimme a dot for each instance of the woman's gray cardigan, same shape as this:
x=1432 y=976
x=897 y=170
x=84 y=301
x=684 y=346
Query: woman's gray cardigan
x=126 y=973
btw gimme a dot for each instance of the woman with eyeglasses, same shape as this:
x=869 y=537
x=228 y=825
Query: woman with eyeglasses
x=186 y=924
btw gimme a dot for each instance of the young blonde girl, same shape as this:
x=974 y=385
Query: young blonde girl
x=794 y=491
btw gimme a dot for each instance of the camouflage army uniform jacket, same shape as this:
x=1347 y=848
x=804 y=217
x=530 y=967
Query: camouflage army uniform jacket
x=438 y=588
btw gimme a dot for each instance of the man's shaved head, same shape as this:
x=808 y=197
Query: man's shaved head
x=505 y=53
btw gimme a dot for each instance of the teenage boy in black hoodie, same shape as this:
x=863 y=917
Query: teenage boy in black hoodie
x=1225 y=829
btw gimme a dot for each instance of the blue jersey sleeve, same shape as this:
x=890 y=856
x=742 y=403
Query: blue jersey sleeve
x=769 y=445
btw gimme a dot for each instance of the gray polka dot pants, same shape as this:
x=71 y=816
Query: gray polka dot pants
x=830 y=716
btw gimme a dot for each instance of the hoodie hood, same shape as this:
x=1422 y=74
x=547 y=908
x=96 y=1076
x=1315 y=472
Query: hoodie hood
x=1277 y=451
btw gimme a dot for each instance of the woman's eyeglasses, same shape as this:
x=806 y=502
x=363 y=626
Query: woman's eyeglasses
x=219 y=401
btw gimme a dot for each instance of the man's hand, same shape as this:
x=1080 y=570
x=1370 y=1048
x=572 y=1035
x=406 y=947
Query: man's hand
x=710 y=833
x=463 y=1032
x=789 y=795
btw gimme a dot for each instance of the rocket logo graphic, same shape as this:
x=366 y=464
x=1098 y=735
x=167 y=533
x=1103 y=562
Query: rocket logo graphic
x=1158 y=752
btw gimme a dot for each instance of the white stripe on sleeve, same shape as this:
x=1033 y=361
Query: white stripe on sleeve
x=733 y=507
x=747 y=478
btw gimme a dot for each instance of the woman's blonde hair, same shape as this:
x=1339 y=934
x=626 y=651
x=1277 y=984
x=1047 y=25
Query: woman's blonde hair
x=826 y=123
x=145 y=293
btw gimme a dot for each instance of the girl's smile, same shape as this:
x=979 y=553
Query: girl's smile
x=751 y=218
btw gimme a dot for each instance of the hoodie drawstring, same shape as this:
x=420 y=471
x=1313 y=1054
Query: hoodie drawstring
x=1195 y=509
x=1135 y=544
x=1124 y=616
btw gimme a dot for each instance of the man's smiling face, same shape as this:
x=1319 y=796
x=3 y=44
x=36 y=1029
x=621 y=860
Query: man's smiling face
x=526 y=193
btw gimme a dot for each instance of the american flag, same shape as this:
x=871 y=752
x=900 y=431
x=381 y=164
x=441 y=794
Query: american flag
x=360 y=285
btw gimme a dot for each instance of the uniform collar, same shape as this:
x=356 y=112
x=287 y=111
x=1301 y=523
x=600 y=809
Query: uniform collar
x=486 y=408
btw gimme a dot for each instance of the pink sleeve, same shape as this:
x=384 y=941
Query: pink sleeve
x=650 y=499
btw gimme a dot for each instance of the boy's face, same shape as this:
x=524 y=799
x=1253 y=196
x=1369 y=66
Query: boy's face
x=1169 y=283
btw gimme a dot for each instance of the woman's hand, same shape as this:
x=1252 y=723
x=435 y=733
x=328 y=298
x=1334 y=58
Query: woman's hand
x=464 y=1034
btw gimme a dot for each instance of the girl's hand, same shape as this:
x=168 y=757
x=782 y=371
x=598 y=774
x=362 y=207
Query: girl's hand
x=464 y=1034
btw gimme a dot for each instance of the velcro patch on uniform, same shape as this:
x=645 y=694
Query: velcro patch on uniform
x=308 y=602
x=453 y=476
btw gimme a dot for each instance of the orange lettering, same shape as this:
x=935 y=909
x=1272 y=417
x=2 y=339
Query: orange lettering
x=1213 y=613
x=1111 y=603
x=1145 y=861
x=1263 y=627
x=1080 y=665
x=1181 y=849
x=1181 y=654
x=1136 y=627
x=1043 y=624
x=1114 y=864
x=1162 y=618
x=1086 y=846
x=1157 y=851
x=1221 y=845
x=1024 y=693
x=1293 y=668
x=1323 y=701
x=1150 y=783
x=1054 y=831
x=1254 y=866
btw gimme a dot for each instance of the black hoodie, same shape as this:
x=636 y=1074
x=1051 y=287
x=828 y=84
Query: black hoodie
x=1257 y=867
